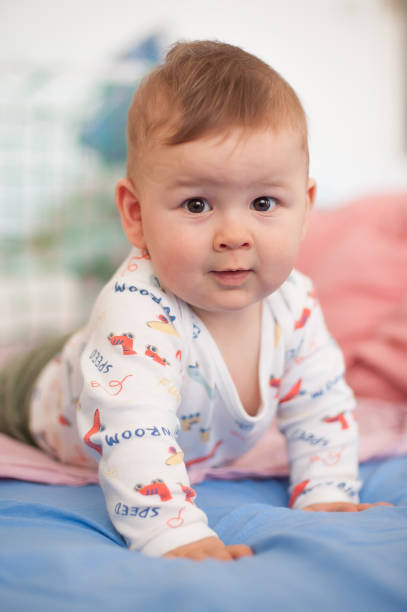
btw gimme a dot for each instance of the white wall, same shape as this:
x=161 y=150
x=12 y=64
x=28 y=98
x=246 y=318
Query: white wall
x=344 y=58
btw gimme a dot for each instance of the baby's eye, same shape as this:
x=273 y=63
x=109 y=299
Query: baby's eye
x=196 y=205
x=263 y=204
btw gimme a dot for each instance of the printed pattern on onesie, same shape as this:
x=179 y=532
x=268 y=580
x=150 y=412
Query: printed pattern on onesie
x=128 y=415
x=144 y=393
x=315 y=405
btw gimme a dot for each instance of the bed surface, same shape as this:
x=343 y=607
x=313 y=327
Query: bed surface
x=59 y=552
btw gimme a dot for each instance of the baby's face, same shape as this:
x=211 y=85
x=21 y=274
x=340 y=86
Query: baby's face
x=223 y=217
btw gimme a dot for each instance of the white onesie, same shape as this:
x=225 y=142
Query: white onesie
x=145 y=391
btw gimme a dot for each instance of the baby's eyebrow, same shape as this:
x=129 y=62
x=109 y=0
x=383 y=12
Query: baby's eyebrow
x=195 y=181
x=204 y=181
x=270 y=184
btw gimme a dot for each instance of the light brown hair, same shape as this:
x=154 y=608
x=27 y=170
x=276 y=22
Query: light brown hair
x=208 y=86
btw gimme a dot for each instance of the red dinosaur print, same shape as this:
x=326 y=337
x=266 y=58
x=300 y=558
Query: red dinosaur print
x=338 y=418
x=298 y=489
x=157 y=487
x=303 y=318
x=125 y=341
x=293 y=392
x=152 y=351
x=94 y=429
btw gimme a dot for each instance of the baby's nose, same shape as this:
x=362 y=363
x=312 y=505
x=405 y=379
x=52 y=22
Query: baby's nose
x=232 y=237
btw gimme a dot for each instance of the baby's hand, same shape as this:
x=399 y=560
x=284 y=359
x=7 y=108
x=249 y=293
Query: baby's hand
x=212 y=548
x=342 y=507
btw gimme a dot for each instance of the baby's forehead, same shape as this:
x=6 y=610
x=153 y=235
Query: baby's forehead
x=240 y=155
x=158 y=150
x=232 y=137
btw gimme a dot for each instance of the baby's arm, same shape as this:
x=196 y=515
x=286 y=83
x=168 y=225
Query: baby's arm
x=316 y=412
x=128 y=421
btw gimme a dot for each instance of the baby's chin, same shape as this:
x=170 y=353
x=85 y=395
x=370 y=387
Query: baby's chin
x=225 y=308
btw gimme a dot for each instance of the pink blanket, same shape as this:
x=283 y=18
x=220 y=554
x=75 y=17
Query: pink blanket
x=357 y=257
x=383 y=429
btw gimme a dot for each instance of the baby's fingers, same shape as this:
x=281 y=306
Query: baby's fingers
x=239 y=550
x=362 y=507
x=201 y=554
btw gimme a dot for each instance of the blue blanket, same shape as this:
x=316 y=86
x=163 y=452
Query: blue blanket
x=59 y=552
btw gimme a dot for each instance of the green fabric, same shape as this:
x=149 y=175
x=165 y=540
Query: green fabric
x=17 y=381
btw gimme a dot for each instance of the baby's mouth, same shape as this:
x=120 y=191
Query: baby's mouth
x=231 y=277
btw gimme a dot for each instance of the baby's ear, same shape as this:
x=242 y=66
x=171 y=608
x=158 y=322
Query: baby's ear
x=309 y=203
x=129 y=208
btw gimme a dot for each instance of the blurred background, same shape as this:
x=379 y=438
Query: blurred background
x=67 y=74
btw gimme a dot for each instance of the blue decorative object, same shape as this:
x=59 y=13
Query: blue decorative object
x=105 y=131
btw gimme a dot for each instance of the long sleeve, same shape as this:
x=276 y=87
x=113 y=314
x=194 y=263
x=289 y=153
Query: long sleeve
x=132 y=367
x=316 y=408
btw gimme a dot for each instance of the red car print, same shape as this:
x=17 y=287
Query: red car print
x=152 y=351
x=157 y=487
x=189 y=493
x=125 y=341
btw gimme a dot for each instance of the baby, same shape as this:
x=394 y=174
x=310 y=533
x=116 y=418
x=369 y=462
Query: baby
x=206 y=332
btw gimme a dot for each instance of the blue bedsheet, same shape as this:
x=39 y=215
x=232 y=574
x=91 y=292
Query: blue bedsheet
x=59 y=552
